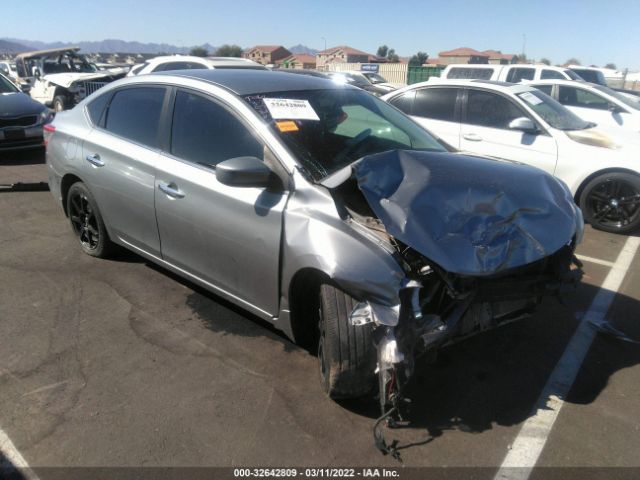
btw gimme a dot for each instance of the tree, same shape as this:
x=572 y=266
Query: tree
x=612 y=66
x=198 y=52
x=419 y=58
x=382 y=51
x=522 y=58
x=229 y=51
x=545 y=61
x=388 y=53
x=572 y=61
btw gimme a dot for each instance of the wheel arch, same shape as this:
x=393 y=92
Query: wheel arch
x=598 y=173
x=65 y=184
x=304 y=290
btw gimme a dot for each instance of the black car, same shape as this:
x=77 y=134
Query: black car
x=342 y=77
x=21 y=118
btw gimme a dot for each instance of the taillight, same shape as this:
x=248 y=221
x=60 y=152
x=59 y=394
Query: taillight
x=49 y=130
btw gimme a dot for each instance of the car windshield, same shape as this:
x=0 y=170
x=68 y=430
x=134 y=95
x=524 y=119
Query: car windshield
x=628 y=101
x=552 y=112
x=6 y=86
x=327 y=130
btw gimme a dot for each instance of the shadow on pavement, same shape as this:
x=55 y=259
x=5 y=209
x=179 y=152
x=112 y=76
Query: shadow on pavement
x=23 y=157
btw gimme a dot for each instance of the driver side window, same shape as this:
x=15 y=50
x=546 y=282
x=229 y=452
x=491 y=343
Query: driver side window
x=205 y=132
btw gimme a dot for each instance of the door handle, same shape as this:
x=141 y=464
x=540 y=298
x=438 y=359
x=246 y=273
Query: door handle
x=472 y=137
x=170 y=189
x=95 y=160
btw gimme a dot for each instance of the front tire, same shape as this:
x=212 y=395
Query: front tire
x=86 y=222
x=611 y=202
x=59 y=103
x=346 y=353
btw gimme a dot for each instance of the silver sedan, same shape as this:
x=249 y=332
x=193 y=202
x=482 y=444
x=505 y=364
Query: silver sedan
x=316 y=207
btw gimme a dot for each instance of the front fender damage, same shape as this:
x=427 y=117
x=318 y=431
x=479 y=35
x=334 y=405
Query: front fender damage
x=481 y=242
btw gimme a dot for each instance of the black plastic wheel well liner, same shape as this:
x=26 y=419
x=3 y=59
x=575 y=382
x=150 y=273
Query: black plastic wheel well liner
x=68 y=180
x=304 y=292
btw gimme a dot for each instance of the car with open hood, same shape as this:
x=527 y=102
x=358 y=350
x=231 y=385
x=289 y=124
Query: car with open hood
x=61 y=77
x=316 y=207
x=523 y=124
x=21 y=118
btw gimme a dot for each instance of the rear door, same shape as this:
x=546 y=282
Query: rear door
x=120 y=154
x=228 y=237
x=485 y=130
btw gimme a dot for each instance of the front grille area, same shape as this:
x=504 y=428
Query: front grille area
x=90 y=87
x=26 y=121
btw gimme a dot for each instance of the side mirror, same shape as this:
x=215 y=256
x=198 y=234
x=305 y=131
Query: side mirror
x=246 y=172
x=523 y=124
x=613 y=108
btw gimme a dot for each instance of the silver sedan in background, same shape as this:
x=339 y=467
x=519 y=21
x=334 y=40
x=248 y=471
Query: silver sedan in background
x=316 y=207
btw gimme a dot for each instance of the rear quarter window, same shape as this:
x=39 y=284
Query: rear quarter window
x=96 y=107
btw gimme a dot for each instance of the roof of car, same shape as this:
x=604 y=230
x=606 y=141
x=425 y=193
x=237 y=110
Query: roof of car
x=248 y=82
x=443 y=82
x=51 y=51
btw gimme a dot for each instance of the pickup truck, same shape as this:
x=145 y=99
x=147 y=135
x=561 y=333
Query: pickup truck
x=515 y=73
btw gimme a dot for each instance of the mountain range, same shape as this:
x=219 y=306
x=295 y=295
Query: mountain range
x=14 y=45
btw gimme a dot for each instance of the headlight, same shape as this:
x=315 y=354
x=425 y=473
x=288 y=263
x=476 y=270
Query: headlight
x=46 y=116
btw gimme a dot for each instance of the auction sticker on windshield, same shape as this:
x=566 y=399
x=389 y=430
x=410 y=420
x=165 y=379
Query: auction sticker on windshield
x=290 y=109
x=530 y=98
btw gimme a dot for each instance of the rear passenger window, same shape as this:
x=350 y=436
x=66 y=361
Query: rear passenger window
x=471 y=73
x=95 y=109
x=516 y=75
x=488 y=109
x=404 y=102
x=436 y=103
x=551 y=74
x=205 y=132
x=134 y=113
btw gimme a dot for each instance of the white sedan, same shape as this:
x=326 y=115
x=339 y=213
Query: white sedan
x=186 y=62
x=521 y=123
x=595 y=103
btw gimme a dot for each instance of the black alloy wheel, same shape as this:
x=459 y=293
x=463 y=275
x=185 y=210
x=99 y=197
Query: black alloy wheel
x=611 y=202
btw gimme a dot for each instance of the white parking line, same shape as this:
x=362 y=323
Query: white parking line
x=597 y=261
x=528 y=445
x=11 y=453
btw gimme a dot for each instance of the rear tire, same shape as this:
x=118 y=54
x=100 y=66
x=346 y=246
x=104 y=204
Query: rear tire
x=346 y=353
x=86 y=222
x=611 y=202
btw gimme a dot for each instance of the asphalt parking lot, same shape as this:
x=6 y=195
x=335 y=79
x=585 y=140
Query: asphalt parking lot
x=120 y=363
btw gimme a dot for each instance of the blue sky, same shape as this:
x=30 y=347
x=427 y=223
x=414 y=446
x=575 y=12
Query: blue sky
x=595 y=32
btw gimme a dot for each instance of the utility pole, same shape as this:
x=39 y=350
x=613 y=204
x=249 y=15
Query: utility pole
x=325 y=42
x=524 y=45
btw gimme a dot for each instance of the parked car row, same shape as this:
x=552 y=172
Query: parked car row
x=521 y=123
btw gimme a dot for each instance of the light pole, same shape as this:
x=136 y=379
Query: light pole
x=524 y=44
x=325 y=42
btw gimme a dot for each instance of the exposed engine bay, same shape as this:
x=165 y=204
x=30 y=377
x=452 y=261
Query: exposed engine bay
x=503 y=267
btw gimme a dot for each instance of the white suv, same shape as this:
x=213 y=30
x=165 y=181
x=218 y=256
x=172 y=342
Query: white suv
x=507 y=73
x=521 y=123
x=185 y=62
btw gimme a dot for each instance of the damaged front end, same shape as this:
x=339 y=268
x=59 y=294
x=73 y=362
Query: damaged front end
x=481 y=242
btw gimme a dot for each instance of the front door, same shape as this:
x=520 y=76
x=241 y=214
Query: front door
x=229 y=237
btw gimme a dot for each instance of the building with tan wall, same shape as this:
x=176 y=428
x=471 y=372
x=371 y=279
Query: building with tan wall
x=266 y=54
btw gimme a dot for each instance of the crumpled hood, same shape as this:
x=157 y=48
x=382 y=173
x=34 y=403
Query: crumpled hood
x=469 y=215
x=66 y=79
x=18 y=104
